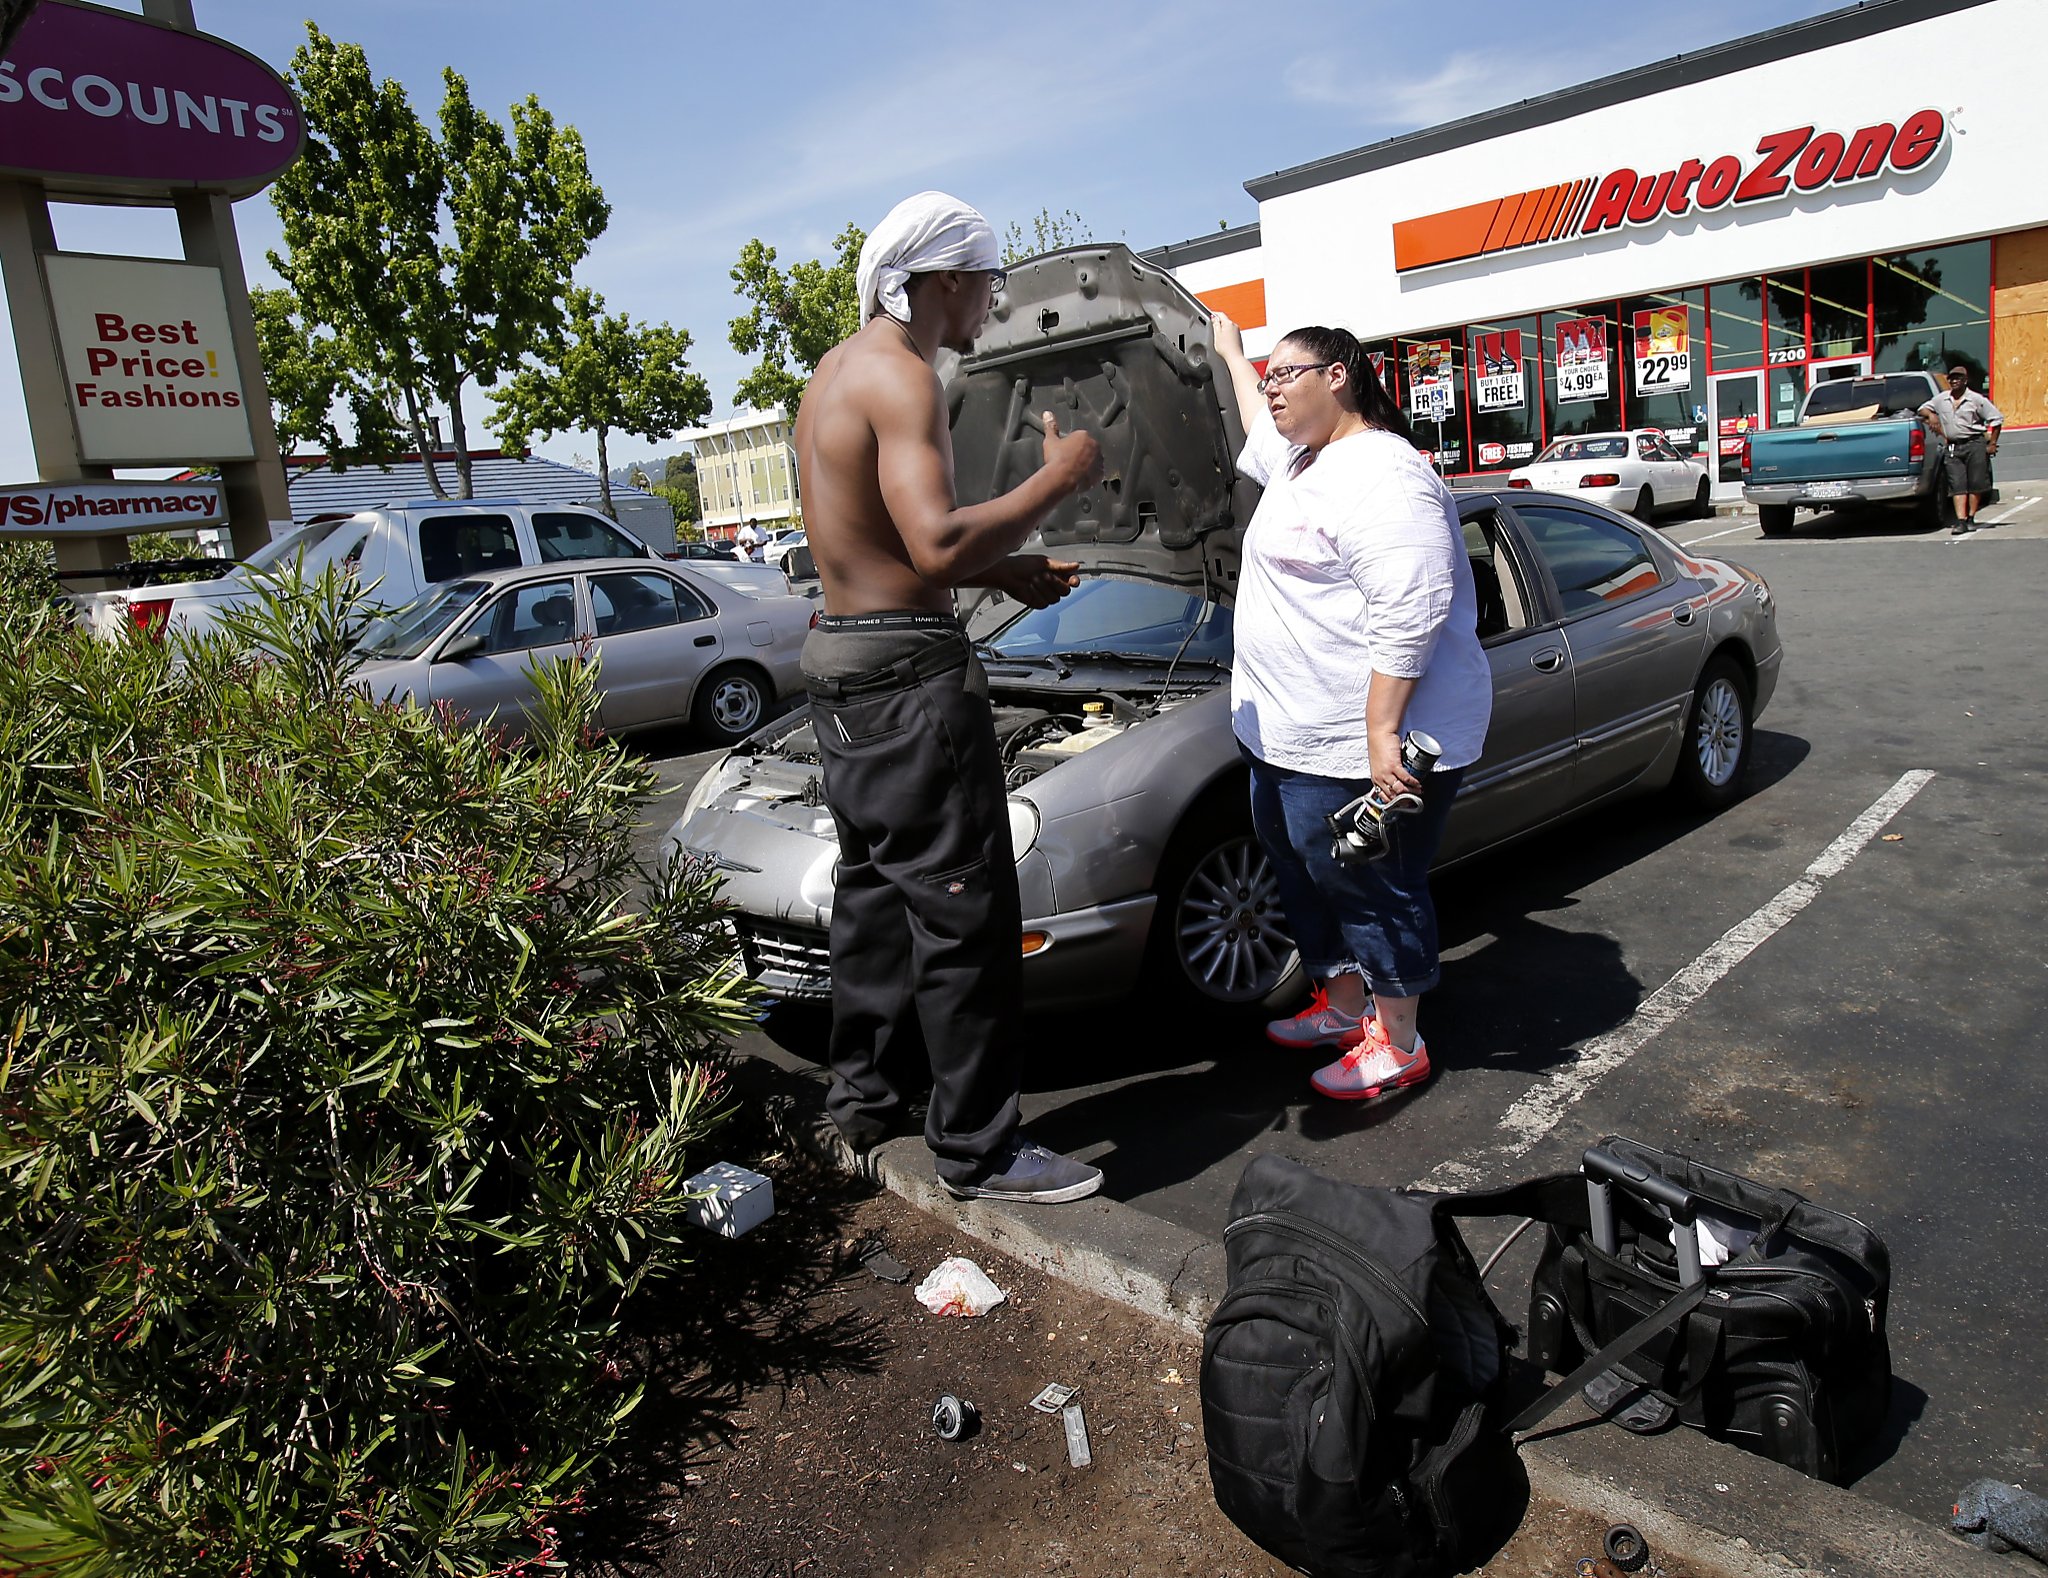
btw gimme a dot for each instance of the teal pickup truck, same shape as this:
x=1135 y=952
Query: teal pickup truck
x=1857 y=441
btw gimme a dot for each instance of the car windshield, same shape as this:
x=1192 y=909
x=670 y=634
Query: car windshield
x=407 y=632
x=1585 y=449
x=303 y=539
x=1865 y=399
x=1139 y=619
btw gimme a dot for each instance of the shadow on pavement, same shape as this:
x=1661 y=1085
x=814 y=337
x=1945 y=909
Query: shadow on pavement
x=1157 y=1095
x=1908 y=1404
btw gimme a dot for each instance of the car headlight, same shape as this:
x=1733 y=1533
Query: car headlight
x=1023 y=826
x=714 y=783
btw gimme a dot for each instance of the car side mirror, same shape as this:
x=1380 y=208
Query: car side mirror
x=461 y=647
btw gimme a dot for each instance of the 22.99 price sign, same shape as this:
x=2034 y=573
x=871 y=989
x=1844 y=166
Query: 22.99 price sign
x=1663 y=351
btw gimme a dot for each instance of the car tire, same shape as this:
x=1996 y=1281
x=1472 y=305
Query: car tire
x=1714 y=758
x=731 y=703
x=1646 y=505
x=1934 y=511
x=1703 y=500
x=1219 y=937
x=1774 y=519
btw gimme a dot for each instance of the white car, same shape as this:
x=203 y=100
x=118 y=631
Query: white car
x=394 y=552
x=1637 y=472
x=777 y=552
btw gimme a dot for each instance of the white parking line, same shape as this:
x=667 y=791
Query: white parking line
x=1539 y=1110
x=2020 y=506
x=1730 y=532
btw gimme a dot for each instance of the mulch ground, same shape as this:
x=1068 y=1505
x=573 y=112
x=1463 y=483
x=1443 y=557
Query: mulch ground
x=788 y=1426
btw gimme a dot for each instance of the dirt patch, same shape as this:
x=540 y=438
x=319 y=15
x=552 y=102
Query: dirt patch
x=788 y=1428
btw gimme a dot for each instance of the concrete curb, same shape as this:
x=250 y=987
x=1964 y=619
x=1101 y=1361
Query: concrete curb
x=1727 y=1513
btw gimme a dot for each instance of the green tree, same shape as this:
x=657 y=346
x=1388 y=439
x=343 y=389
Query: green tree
x=309 y=377
x=679 y=486
x=1049 y=232
x=604 y=375
x=426 y=262
x=795 y=318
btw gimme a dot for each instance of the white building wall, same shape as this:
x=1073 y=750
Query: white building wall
x=1327 y=252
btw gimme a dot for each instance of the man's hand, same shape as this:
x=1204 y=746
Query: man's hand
x=1033 y=579
x=1226 y=336
x=1075 y=458
x=1388 y=775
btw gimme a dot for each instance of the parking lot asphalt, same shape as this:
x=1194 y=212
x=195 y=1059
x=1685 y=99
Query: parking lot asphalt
x=1835 y=985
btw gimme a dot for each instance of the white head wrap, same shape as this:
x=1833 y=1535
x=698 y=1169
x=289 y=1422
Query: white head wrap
x=921 y=235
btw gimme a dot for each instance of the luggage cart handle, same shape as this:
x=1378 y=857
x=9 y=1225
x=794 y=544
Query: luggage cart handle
x=1604 y=1169
x=1599 y=1162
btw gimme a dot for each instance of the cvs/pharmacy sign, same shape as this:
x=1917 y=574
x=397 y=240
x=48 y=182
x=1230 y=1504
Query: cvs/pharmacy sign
x=1801 y=160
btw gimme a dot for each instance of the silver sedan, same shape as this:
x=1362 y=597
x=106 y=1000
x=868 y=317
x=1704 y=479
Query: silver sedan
x=1621 y=664
x=675 y=645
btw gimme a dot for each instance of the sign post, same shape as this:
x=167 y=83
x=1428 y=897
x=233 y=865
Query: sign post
x=137 y=361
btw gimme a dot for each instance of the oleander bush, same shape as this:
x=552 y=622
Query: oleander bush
x=348 y=1083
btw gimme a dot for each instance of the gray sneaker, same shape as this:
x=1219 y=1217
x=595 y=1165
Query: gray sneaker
x=1033 y=1176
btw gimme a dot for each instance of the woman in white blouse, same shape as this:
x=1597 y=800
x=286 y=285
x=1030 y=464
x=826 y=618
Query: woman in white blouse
x=1355 y=623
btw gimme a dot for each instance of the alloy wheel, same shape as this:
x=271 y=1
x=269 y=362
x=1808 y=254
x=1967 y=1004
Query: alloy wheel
x=1718 y=735
x=1230 y=932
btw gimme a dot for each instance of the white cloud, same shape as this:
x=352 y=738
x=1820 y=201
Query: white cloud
x=1468 y=82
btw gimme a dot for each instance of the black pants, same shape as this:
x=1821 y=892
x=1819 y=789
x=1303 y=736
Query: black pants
x=925 y=915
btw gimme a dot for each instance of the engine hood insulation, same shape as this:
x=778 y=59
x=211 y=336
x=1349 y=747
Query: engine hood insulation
x=1118 y=348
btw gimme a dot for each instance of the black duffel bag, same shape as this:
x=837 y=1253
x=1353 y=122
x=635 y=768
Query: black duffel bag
x=1780 y=1349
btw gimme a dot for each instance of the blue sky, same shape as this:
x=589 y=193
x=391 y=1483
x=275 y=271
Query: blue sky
x=707 y=125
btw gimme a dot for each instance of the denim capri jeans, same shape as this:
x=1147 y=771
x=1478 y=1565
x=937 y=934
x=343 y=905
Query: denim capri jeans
x=1374 y=918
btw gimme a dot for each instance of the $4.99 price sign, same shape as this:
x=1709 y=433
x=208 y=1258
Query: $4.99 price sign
x=1663 y=358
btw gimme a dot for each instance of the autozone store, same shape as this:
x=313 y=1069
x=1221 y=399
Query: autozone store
x=1691 y=245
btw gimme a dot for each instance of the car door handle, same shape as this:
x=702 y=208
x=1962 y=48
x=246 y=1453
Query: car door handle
x=1682 y=614
x=1550 y=659
x=705 y=641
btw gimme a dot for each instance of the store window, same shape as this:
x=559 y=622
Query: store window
x=1737 y=323
x=1838 y=295
x=1592 y=352
x=1785 y=318
x=1679 y=402
x=1435 y=395
x=1932 y=310
x=1505 y=387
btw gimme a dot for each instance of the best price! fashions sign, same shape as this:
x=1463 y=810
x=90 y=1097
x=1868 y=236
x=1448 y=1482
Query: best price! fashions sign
x=148 y=360
x=1802 y=160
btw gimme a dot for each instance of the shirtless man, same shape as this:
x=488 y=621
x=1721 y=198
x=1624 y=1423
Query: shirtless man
x=926 y=922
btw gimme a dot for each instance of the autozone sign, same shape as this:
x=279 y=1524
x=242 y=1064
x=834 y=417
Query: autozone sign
x=1799 y=161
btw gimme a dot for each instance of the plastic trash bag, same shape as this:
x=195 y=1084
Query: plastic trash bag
x=959 y=1287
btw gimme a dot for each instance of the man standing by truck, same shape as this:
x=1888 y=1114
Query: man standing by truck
x=1970 y=423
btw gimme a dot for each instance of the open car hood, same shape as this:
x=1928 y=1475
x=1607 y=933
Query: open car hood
x=1120 y=349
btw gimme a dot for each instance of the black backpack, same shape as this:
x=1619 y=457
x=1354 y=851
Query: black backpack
x=1347 y=1375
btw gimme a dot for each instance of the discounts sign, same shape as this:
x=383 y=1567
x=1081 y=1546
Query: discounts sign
x=1582 y=359
x=1663 y=350
x=148 y=361
x=1496 y=368
x=1430 y=391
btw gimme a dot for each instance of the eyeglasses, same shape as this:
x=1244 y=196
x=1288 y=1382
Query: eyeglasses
x=997 y=279
x=1281 y=377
